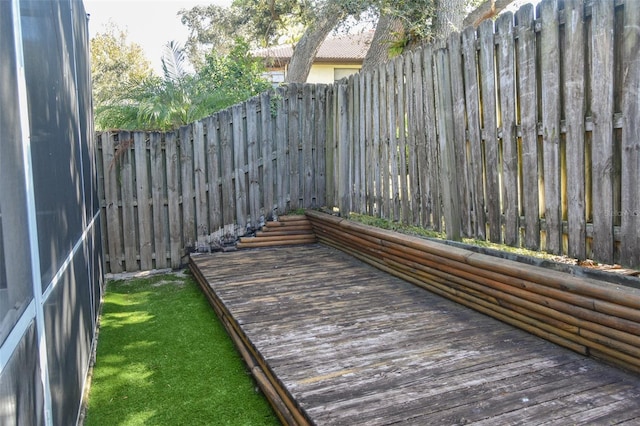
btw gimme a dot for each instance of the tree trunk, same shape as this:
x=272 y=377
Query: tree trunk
x=448 y=19
x=378 y=52
x=306 y=49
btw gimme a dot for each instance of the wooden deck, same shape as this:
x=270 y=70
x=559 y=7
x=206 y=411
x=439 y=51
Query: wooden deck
x=344 y=343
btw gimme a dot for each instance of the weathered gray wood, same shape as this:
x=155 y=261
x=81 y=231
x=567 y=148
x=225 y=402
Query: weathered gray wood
x=176 y=244
x=444 y=110
x=421 y=140
x=459 y=138
x=413 y=178
x=376 y=143
x=240 y=164
x=213 y=177
x=112 y=203
x=282 y=165
x=128 y=207
x=630 y=179
x=509 y=162
x=160 y=220
x=489 y=128
x=200 y=183
x=370 y=176
x=385 y=193
x=267 y=151
x=321 y=143
x=528 y=105
x=143 y=191
x=308 y=143
x=294 y=145
x=433 y=189
x=344 y=191
x=252 y=161
x=354 y=142
x=550 y=77
x=227 y=174
x=574 y=113
x=602 y=72
x=189 y=231
x=472 y=104
x=404 y=206
x=392 y=125
x=362 y=166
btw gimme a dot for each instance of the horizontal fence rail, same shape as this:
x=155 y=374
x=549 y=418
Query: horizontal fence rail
x=524 y=131
x=165 y=194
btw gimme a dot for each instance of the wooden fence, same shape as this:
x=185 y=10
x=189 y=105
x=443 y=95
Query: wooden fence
x=525 y=131
x=164 y=194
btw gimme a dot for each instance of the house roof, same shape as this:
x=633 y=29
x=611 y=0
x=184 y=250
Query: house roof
x=347 y=48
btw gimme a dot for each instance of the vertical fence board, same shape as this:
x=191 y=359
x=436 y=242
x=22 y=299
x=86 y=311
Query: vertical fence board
x=527 y=90
x=266 y=123
x=252 y=163
x=321 y=143
x=200 y=182
x=354 y=127
x=459 y=138
x=574 y=113
x=189 y=232
x=602 y=143
x=489 y=124
x=412 y=130
x=550 y=76
x=404 y=207
x=375 y=143
x=213 y=175
x=176 y=244
x=239 y=160
x=112 y=202
x=128 y=205
x=362 y=165
x=142 y=196
x=369 y=171
x=227 y=173
x=472 y=104
x=344 y=191
x=392 y=124
x=444 y=111
x=308 y=187
x=282 y=168
x=507 y=76
x=160 y=234
x=433 y=188
x=384 y=146
x=630 y=201
x=421 y=141
x=294 y=146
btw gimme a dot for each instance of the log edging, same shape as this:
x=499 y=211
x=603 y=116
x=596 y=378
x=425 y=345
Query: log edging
x=595 y=318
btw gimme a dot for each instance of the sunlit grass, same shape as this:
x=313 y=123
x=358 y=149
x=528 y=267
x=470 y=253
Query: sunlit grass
x=164 y=359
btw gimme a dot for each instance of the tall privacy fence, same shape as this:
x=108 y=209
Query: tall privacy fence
x=525 y=131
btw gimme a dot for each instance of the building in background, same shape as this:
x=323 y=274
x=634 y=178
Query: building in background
x=337 y=58
x=50 y=244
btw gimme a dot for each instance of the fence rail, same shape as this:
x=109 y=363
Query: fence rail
x=525 y=131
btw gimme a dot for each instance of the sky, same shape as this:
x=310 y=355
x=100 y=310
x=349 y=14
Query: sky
x=149 y=23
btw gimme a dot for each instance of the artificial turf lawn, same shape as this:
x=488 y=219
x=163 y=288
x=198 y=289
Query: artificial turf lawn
x=163 y=358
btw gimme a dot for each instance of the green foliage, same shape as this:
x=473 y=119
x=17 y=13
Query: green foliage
x=115 y=63
x=163 y=358
x=178 y=97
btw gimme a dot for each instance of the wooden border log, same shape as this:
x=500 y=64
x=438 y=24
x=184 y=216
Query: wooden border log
x=283 y=232
x=583 y=314
x=260 y=244
x=284 y=405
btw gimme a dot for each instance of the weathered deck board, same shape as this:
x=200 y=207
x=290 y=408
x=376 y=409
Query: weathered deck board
x=353 y=345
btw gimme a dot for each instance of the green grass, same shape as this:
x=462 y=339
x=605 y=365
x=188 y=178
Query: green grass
x=163 y=358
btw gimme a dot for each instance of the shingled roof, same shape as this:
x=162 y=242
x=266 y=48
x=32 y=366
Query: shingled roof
x=347 y=48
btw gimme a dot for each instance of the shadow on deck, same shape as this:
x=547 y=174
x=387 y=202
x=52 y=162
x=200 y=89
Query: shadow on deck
x=333 y=340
